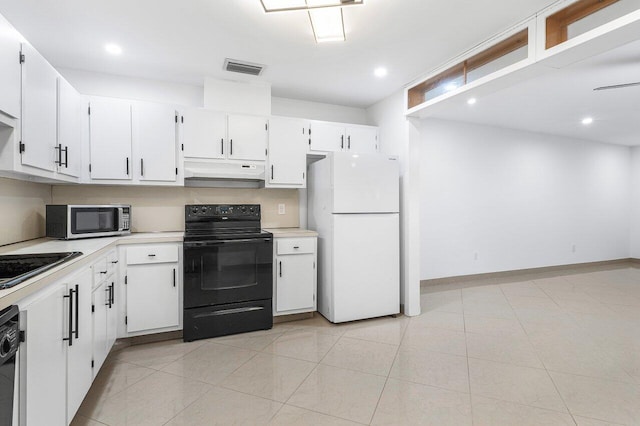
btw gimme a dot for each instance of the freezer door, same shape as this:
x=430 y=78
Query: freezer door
x=365 y=183
x=366 y=271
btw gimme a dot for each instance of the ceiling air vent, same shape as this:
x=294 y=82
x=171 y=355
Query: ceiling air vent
x=232 y=65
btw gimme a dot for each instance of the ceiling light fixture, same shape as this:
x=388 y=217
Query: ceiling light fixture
x=586 y=121
x=327 y=21
x=327 y=24
x=472 y=101
x=380 y=72
x=289 y=5
x=113 y=49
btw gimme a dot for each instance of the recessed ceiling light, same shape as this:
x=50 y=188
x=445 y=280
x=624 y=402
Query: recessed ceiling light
x=380 y=72
x=586 y=121
x=113 y=49
x=472 y=101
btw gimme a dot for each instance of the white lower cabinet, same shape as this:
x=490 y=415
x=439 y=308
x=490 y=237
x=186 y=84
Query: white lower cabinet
x=295 y=278
x=55 y=358
x=104 y=309
x=153 y=283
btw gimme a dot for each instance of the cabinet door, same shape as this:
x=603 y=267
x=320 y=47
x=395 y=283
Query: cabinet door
x=247 y=137
x=70 y=115
x=112 y=312
x=154 y=129
x=39 y=104
x=204 y=133
x=287 y=160
x=362 y=139
x=110 y=139
x=100 y=307
x=295 y=282
x=43 y=358
x=80 y=353
x=152 y=297
x=327 y=137
x=9 y=69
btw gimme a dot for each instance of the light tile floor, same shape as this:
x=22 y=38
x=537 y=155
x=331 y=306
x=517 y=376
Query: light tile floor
x=535 y=349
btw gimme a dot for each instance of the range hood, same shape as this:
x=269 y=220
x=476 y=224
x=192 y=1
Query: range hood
x=248 y=171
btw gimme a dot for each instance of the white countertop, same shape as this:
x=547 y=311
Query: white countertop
x=91 y=249
x=291 y=232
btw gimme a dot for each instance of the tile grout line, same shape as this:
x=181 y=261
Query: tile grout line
x=464 y=326
x=310 y=373
x=386 y=380
x=596 y=343
x=542 y=361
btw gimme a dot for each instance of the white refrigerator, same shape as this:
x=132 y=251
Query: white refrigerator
x=353 y=204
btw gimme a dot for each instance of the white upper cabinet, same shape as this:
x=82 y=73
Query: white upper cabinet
x=39 y=105
x=154 y=136
x=9 y=69
x=70 y=115
x=110 y=139
x=287 y=160
x=332 y=137
x=204 y=133
x=326 y=137
x=362 y=139
x=247 y=137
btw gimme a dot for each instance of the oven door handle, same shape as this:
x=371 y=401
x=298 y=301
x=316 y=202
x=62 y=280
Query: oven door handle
x=219 y=243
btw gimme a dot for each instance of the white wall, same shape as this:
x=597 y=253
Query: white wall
x=317 y=111
x=518 y=200
x=22 y=210
x=117 y=86
x=635 y=202
x=400 y=137
x=237 y=97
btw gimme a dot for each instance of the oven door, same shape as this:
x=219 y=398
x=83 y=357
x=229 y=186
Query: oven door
x=227 y=271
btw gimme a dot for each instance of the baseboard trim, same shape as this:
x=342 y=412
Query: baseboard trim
x=293 y=317
x=559 y=270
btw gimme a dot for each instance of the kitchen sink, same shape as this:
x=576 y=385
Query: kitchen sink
x=16 y=268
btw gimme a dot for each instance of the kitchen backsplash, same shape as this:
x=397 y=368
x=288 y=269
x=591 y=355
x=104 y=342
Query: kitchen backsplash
x=162 y=208
x=22 y=210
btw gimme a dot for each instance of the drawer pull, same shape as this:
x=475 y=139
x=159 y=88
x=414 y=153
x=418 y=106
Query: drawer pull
x=152 y=255
x=296 y=247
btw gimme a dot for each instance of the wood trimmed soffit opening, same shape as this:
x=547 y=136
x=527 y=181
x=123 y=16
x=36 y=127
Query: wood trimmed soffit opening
x=416 y=95
x=558 y=24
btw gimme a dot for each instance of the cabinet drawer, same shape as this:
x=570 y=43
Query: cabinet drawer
x=100 y=271
x=152 y=254
x=295 y=245
x=112 y=260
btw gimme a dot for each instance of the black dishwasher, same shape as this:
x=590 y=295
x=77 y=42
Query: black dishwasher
x=9 y=341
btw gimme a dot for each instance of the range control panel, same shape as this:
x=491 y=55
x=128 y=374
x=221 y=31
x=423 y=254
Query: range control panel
x=230 y=211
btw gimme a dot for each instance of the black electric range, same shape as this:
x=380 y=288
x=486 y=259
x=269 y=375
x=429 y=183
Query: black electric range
x=228 y=271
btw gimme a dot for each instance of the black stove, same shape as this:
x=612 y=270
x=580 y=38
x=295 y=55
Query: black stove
x=228 y=271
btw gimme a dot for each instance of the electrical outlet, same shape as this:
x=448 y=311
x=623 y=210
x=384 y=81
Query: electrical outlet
x=281 y=209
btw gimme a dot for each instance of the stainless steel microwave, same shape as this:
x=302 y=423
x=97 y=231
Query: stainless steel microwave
x=86 y=221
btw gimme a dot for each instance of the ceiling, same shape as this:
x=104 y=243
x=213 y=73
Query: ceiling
x=186 y=41
x=556 y=101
